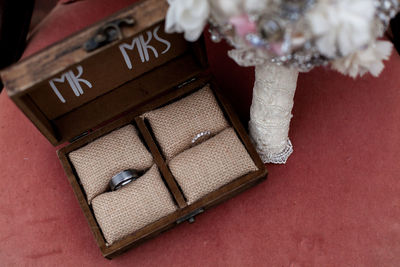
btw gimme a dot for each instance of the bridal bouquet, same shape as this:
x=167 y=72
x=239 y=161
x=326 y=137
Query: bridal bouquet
x=282 y=38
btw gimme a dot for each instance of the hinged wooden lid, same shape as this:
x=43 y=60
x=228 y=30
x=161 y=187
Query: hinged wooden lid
x=103 y=71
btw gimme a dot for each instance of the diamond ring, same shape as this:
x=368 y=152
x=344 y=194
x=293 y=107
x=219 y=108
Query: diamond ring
x=200 y=136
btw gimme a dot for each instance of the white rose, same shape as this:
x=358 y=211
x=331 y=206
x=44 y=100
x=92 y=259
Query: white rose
x=229 y=8
x=188 y=16
x=223 y=10
x=342 y=27
x=366 y=60
x=256 y=6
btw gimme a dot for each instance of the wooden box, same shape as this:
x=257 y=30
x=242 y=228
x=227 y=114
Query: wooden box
x=105 y=77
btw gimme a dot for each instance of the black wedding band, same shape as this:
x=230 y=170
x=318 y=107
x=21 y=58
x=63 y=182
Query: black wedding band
x=123 y=178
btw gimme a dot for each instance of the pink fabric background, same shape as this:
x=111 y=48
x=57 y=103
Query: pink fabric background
x=335 y=203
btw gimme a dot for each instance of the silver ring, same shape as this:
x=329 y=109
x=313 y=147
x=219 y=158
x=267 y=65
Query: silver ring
x=200 y=135
x=123 y=178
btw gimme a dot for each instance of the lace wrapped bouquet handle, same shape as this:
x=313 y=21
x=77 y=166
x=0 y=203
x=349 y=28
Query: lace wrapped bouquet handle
x=270 y=112
x=282 y=38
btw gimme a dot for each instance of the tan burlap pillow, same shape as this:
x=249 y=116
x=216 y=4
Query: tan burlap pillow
x=174 y=126
x=97 y=162
x=139 y=203
x=210 y=165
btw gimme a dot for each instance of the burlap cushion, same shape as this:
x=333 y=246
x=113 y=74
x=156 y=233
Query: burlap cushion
x=211 y=164
x=143 y=201
x=97 y=162
x=174 y=126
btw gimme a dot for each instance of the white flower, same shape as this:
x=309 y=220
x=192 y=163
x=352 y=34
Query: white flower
x=256 y=6
x=341 y=26
x=188 y=16
x=363 y=61
x=223 y=10
x=229 y=8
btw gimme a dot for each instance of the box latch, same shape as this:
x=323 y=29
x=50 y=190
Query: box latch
x=190 y=217
x=110 y=32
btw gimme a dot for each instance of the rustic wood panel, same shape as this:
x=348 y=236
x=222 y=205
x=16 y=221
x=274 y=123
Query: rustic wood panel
x=104 y=72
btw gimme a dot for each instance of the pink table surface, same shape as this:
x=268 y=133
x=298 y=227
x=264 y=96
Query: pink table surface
x=335 y=203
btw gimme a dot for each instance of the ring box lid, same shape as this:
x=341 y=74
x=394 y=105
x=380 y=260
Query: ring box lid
x=103 y=71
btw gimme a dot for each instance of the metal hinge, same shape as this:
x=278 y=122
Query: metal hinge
x=79 y=136
x=190 y=217
x=187 y=82
x=108 y=33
